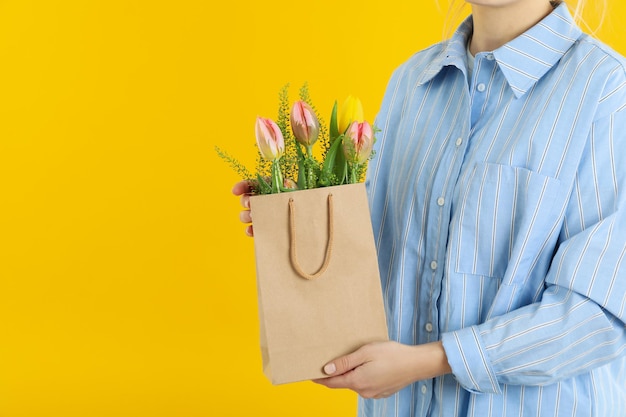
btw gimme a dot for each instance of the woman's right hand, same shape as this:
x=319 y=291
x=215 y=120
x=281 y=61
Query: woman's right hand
x=244 y=189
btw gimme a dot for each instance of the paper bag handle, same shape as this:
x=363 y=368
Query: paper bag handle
x=329 y=246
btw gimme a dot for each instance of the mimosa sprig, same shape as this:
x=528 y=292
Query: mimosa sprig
x=286 y=158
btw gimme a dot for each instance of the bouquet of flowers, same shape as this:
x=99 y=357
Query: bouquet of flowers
x=313 y=246
x=286 y=161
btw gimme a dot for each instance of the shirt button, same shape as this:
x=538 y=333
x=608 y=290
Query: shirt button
x=490 y=57
x=433 y=265
x=429 y=327
x=458 y=142
x=424 y=389
x=441 y=201
x=480 y=87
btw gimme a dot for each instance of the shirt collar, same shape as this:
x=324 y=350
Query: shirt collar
x=525 y=59
x=452 y=53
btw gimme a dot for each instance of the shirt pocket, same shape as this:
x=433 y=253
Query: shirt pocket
x=504 y=211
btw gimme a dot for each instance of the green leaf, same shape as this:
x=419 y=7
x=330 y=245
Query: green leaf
x=334 y=128
x=264 y=187
x=340 y=168
x=328 y=168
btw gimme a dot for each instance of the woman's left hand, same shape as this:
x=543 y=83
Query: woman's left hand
x=378 y=370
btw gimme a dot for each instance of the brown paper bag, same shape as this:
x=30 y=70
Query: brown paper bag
x=318 y=281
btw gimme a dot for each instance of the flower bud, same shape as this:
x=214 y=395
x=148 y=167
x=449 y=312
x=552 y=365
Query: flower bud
x=351 y=111
x=358 y=142
x=269 y=139
x=290 y=184
x=304 y=123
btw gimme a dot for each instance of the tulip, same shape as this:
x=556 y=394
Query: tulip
x=269 y=139
x=304 y=123
x=351 y=111
x=290 y=184
x=358 y=142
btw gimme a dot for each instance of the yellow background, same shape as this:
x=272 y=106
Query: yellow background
x=126 y=283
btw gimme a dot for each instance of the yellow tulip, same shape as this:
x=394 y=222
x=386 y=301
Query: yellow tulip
x=351 y=111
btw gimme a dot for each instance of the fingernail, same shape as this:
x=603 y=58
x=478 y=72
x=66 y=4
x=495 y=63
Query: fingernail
x=330 y=369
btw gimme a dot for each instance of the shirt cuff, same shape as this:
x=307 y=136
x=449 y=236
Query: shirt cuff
x=469 y=362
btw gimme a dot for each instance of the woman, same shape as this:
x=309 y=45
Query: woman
x=498 y=194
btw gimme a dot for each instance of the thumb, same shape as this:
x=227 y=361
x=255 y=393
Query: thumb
x=344 y=364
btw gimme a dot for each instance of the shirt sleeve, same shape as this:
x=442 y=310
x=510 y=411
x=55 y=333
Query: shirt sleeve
x=579 y=322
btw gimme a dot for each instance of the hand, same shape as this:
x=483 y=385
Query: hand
x=244 y=189
x=378 y=370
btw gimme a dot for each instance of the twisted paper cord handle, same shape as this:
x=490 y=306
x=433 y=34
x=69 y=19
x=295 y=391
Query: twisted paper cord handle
x=329 y=246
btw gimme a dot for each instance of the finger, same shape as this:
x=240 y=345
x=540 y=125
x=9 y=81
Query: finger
x=245 y=201
x=340 y=381
x=345 y=363
x=242 y=187
x=245 y=216
x=250 y=231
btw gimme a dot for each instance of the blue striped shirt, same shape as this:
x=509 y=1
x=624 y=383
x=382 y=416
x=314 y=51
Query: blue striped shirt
x=498 y=205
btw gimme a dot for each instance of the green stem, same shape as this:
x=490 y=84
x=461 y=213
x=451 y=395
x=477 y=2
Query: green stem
x=309 y=171
x=354 y=171
x=301 y=167
x=277 y=180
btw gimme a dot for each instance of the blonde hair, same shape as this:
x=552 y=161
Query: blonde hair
x=455 y=12
x=601 y=8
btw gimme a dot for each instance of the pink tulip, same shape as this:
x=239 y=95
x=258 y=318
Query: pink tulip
x=304 y=123
x=269 y=139
x=357 y=145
